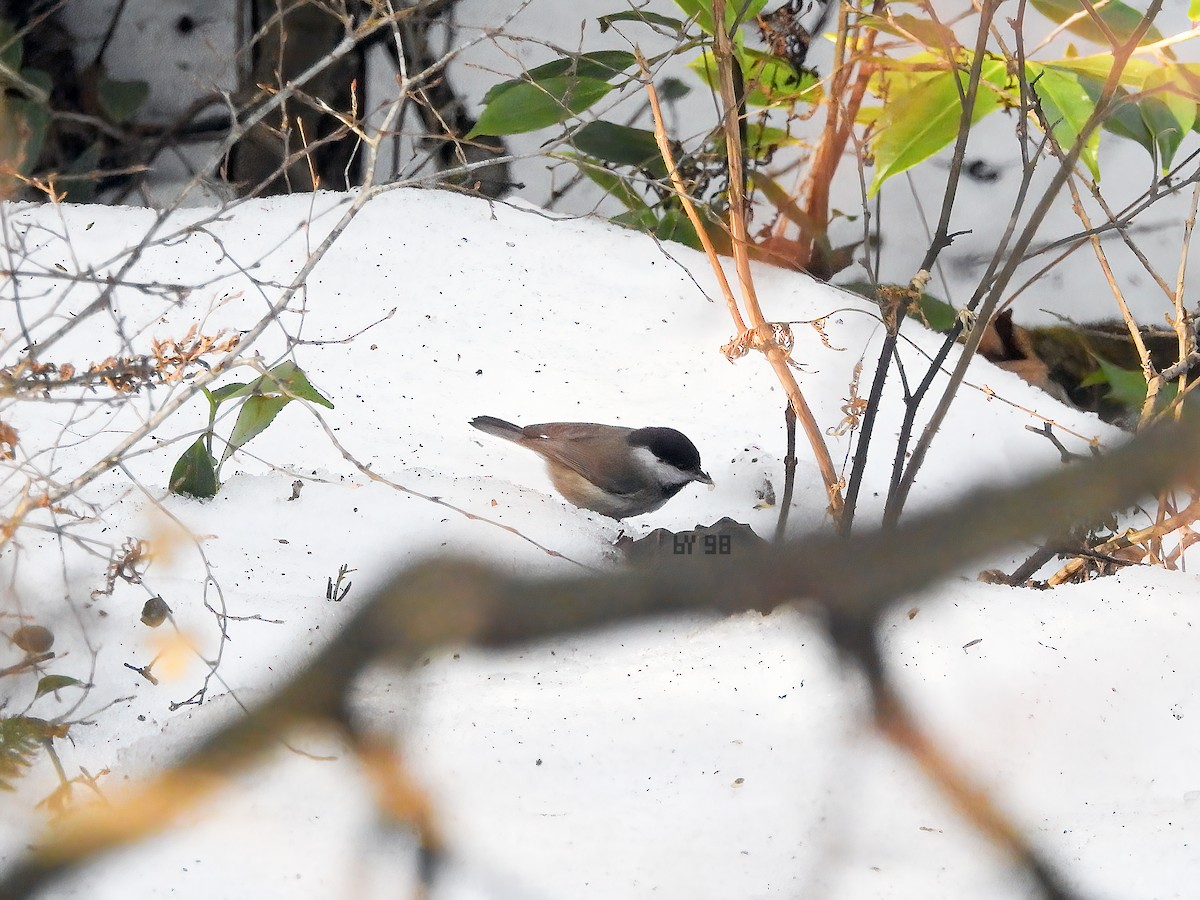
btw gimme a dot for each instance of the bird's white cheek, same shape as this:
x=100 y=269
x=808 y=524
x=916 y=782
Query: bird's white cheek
x=663 y=473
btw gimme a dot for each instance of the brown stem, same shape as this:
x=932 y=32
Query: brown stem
x=776 y=356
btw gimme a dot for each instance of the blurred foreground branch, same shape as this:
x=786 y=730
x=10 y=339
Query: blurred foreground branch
x=852 y=581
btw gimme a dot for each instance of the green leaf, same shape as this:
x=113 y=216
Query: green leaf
x=1124 y=119
x=922 y=114
x=1157 y=121
x=773 y=81
x=194 y=474
x=928 y=33
x=1067 y=106
x=601 y=65
x=120 y=100
x=289 y=379
x=936 y=314
x=664 y=224
x=1121 y=20
x=1194 y=10
x=1170 y=112
x=674 y=225
x=639 y=15
x=736 y=11
x=672 y=89
x=613 y=184
x=770 y=80
x=763 y=140
x=1125 y=386
x=255 y=415
x=621 y=145
x=1099 y=66
x=286 y=378
x=528 y=107
x=642 y=219
x=217 y=396
x=50 y=683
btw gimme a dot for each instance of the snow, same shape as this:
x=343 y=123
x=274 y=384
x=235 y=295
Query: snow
x=676 y=759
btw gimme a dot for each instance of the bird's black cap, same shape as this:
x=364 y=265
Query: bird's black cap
x=672 y=447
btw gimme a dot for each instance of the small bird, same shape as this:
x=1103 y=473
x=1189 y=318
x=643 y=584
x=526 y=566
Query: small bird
x=619 y=472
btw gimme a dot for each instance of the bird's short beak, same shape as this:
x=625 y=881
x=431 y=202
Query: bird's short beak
x=703 y=478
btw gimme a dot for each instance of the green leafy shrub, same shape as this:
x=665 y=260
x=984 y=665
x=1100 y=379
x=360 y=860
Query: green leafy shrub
x=197 y=473
x=915 y=114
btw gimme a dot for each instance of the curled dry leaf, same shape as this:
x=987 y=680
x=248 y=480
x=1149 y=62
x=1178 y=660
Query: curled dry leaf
x=33 y=639
x=155 y=612
x=8 y=441
x=173 y=359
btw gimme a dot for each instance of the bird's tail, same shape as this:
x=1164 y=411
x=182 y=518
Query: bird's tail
x=498 y=427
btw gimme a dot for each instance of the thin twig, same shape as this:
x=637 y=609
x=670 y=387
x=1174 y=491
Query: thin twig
x=789 y=474
x=941 y=240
